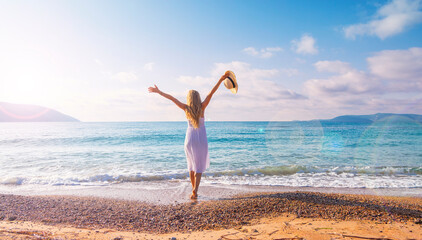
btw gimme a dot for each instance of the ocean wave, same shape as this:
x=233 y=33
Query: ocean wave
x=293 y=169
x=83 y=140
x=13 y=181
x=95 y=180
x=293 y=175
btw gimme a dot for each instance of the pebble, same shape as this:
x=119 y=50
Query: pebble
x=96 y=213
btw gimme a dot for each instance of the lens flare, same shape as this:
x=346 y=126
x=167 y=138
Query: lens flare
x=292 y=143
x=376 y=145
x=21 y=117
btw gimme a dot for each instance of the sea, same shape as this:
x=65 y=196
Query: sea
x=316 y=154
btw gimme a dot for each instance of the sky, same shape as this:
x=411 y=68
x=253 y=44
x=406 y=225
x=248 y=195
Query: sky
x=294 y=60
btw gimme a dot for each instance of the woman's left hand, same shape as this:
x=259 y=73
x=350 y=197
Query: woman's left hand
x=154 y=89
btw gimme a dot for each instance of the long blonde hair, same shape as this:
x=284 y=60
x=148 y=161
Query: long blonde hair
x=194 y=108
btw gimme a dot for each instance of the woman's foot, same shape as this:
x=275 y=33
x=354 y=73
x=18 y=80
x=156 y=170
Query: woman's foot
x=194 y=195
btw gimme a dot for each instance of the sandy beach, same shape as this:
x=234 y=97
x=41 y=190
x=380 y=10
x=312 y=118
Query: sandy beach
x=281 y=215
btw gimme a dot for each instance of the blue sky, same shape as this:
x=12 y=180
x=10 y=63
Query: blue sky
x=294 y=60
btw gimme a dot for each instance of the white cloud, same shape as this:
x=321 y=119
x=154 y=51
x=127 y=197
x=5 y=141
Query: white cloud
x=149 y=66
x=402 y=68
x=121 y=76
x=196 y=81
x=306 y=45
x=391 y=19
x=397 y=64
x=125 y=77
x=332 y=66
x=244 y=70
x=290 y=71
x=392 y=84
x=258 y=98
x=251 y=51
x=263 y=53
x=98 y=62
x=349 y=81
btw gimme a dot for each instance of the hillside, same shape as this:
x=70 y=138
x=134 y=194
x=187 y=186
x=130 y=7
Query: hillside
x=376 y=117
x=10 y=112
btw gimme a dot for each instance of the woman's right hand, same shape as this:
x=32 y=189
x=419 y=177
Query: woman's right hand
x=154 y=89
x=226 y=74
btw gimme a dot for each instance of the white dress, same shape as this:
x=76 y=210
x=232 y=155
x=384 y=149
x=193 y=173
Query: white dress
x=196 y=147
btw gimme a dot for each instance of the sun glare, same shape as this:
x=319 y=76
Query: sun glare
x=28 y=77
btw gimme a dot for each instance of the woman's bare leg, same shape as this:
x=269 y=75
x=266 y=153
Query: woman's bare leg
x=197 y=182
x=192 y=178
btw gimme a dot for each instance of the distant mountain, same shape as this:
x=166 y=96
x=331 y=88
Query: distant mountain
x=10 y=112
x=376 y=117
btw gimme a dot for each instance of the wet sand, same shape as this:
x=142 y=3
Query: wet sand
x=178 y=191
x=289 y=214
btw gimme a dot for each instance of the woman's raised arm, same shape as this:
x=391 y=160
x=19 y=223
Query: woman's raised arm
x=213 y=90
x=168 y=96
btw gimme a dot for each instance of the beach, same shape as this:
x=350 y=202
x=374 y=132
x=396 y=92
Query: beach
x=278 y=180
x=277 y=215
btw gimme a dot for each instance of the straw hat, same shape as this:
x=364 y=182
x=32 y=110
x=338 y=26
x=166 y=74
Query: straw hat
x=230 y=82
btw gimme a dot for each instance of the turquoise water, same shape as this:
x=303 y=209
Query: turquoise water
x=385 y=154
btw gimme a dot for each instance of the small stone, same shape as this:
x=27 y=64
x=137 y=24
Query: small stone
x=12 y=218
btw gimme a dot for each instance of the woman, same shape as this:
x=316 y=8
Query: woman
x=196 y=143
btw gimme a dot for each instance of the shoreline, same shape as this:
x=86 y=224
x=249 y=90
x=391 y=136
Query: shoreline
x=178 y=191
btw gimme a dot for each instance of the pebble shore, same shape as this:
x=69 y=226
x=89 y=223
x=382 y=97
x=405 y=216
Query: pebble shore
x=125 y=215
